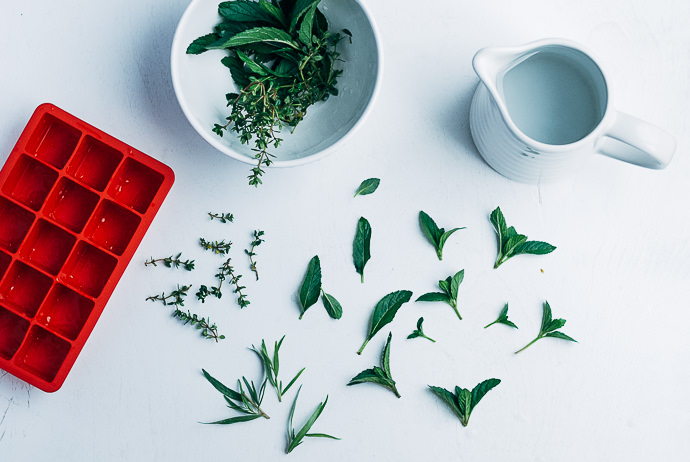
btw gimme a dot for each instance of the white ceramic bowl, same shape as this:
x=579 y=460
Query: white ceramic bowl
x=201 y=82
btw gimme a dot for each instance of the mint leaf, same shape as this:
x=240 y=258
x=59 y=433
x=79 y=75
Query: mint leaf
x=419 y=332
x=311 y=286
x=305 y=29
x=269 y=35
x=332 y=305
x=503 y=318
x=384 y=312
x=361 y=247
x=434 y=297
x=549 y=328
x=463 y=401
x=437 y=236
x=450 y=287
x=379 y=375
x=200 y=45
x=367 y=187
x=248 y=11
x=301 y=7
x=510 y=243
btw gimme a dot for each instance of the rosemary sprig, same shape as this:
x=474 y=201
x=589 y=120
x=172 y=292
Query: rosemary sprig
x=217 y=247
x=271 y=366
x=255 y=243
x=208 y=330
x=177 y=296
x=247 y=402
x=295 y=439
x=171 y=262
x=223 y=217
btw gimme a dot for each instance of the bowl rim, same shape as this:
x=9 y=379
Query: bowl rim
x=212 y=139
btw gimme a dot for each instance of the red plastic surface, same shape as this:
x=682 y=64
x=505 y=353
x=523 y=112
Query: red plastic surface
x=74 y=205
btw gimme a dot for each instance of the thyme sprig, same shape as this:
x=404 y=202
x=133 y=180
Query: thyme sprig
x=225 y=272
x=254 y=244
x=177 y=296
x=208 y=330
x=246 y=402
x=173 y=261
x=222 y=217
x=271 y=364
x=218 y=247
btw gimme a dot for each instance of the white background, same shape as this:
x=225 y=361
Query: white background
x=620 y=275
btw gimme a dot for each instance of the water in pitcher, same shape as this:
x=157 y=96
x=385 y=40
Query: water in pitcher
x=552 y=98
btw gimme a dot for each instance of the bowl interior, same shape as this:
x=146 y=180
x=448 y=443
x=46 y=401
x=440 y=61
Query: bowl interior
x=201 y=82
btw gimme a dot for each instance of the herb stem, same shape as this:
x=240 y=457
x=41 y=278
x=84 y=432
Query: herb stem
x=363 y=345
x=428 y=338
x=530 y=343
x=490 y=324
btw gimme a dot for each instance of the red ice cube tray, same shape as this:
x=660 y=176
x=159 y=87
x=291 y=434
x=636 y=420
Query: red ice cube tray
x=74 y=205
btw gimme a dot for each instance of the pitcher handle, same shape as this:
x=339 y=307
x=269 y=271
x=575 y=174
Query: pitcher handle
x=638 y=142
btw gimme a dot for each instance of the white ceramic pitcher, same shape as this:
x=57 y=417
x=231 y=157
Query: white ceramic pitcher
x=542 y=108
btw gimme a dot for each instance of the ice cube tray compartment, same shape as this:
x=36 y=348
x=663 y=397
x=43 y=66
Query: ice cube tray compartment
x=94 y=163
x=53 y=141
x=70 y=205
x=65 y=311
x=74 y=205
x=16 y=222
x=47 y=246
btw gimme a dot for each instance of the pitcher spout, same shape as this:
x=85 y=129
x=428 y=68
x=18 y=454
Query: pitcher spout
x=490 y=64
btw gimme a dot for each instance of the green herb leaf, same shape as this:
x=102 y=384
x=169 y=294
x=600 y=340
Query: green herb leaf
x=384 y=312
x=301 y=7
x=463 y=401
x=332 y=305
x=271 y=364
x=200 y=45
x=295 y=439
x=437 y=236
x=248 y=11
x=450 y=287
x=502 y=318
x=268 y=35
x=239 y=400
x=510 y=243
x=311 y=286
x=305 y=29
x=548 y=327
x=368 y=187
x=379 y=375
x=419 y=332
x=361 y=247
x=434 y=297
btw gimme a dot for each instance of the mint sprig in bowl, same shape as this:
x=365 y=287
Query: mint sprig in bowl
x=227 y=56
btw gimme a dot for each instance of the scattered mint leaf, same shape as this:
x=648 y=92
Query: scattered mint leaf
x=450 y=287
x=368 y=187
x=419 y=332
x=379 y=375
x=332 y=305
x=437 y=236
x=549 y=328
x=463 y=401
x=510 y=243
x=503 y=319
x=361 y=246
x=311 y=286
x=384 y=312
x=294 y=439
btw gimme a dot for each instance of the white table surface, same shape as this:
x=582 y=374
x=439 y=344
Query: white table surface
x=620 y=275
